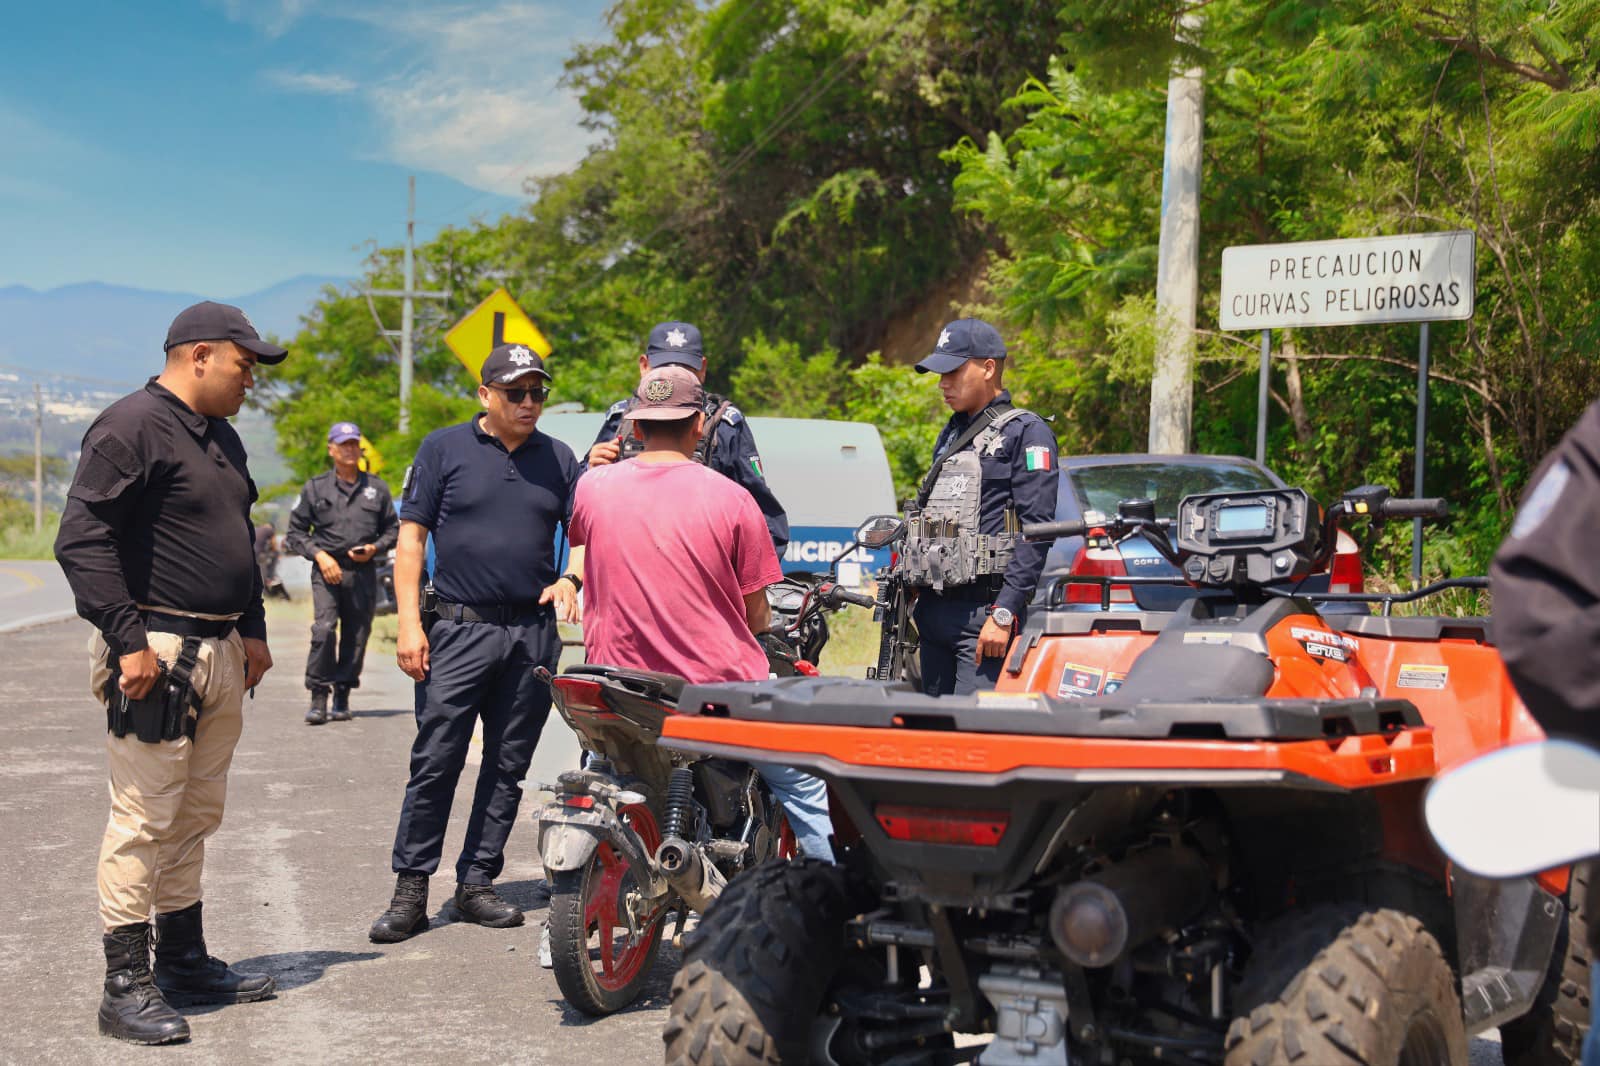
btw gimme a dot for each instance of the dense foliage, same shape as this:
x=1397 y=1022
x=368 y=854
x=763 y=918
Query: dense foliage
x=819 y=181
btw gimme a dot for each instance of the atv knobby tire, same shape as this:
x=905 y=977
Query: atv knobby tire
x=1340 y=984
x=1551 y=1033
x=755 y=970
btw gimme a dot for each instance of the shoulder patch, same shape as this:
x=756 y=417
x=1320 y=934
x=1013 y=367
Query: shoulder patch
x=405 y=484
x=1542 y=500
x=732 y=415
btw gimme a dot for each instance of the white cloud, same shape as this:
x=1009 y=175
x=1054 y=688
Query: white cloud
x=272 y=17
x=311 y=82
x=465 y=89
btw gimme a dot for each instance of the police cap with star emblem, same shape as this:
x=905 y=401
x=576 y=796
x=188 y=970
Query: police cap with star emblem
x=211 y=321
x=509 y=362
x=963 y=339
x=675 y=344
x=667 y=393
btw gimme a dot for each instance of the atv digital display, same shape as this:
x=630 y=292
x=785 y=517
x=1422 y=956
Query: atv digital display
x=1248 y=519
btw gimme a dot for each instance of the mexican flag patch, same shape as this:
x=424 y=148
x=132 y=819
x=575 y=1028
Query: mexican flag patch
x=755 y=464
x=1037 y=457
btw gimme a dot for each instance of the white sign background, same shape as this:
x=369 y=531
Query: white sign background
x=1420 y=277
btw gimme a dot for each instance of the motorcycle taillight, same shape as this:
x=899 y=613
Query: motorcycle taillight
x=580 y=694
x=1098 y=558
x=939 y=825
x=1345 y=574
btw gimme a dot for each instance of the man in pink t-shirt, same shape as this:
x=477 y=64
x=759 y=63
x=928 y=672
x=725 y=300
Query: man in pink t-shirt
x=676 y=565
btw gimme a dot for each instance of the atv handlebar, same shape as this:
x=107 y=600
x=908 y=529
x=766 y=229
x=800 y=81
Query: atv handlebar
x=1052 y=530
x=1422 y=508
x=834 y=595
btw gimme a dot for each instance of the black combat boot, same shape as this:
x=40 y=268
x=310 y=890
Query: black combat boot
x=341 y=704
x=318 y=713
x=186 y=974
x=408 y=911
x=482 y=904
x=133 y=1008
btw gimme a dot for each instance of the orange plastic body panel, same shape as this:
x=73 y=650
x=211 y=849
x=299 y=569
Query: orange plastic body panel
x=1057 y=662
x=1303 y=674
x=1352 y=762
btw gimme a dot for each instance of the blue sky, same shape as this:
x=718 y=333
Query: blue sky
x=221 y=146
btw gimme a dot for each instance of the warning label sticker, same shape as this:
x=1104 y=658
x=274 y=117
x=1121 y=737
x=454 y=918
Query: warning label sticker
x=1114 y=682
x=1422 y=675
x=1080 y=682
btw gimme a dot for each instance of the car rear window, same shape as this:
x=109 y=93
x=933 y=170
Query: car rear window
x=1101 y=488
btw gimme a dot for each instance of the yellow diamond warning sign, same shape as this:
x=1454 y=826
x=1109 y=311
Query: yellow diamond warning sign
x=498 y=320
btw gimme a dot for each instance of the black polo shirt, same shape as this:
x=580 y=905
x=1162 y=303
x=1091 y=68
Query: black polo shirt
x=159 y=514
x=493 y=515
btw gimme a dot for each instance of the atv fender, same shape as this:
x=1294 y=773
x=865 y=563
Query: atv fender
x=568 y=838
x=1505 y=932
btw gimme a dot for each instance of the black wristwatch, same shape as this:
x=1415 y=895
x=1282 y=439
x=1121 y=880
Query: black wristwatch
x=577 y=582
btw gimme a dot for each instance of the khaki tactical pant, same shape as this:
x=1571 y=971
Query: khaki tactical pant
x=167 y=798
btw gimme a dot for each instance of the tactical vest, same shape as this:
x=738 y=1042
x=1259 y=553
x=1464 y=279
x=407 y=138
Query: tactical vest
x=944 y=547
x=716 y=406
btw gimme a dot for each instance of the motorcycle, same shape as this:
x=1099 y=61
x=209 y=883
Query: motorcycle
x=641 y=832
x=1189 y=836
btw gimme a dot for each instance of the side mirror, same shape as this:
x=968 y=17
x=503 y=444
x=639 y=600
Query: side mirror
x=880 y=530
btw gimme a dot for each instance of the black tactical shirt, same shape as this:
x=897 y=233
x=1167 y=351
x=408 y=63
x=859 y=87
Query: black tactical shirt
x=159 y=514
x=334 y=517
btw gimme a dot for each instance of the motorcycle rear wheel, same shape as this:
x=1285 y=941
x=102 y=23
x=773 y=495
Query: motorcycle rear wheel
x=600 y=963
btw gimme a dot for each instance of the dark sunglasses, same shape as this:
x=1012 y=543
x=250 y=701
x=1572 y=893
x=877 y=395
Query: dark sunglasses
x=515 y=396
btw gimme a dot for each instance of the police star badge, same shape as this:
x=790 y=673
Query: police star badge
x=521 y=356
x=658 y=390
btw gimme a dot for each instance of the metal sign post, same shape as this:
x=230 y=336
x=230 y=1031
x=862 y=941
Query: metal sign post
x=1422 y=437
x=1263 y=388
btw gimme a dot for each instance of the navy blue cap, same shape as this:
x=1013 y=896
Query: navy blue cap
x=963 y=339
x=509 y=362
x=676 y=344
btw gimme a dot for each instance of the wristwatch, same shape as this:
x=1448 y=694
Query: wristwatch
x=1002 y=617
x=577 y=582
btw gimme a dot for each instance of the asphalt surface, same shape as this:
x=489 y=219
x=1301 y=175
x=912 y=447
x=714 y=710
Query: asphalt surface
x=32 y=592
x=295 y=876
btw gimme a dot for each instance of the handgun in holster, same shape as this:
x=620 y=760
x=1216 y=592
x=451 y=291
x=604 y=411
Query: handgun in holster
x=429 y=604
x=164 y=713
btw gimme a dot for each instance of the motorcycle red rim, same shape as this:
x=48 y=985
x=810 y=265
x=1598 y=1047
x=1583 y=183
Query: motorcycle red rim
x=602 y=918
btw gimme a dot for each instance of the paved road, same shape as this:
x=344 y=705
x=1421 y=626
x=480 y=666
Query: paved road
x=32 y=592
x=299 y=870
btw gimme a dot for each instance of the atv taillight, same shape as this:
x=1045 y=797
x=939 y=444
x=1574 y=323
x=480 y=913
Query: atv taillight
x=1098 y=558
x=582 y=802
x=580 y=694
x=1345 y=574
x=939 y=825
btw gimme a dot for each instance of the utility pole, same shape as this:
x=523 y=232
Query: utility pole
x=1178 y=261
x=38 y=460
x=407 y=308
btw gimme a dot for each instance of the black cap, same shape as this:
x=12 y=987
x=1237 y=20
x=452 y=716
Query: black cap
x=211 y=321
x=509 y=362
x=963 y=339
x=676 y=344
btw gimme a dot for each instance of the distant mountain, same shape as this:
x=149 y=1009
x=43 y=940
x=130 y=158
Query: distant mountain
x=114 y=332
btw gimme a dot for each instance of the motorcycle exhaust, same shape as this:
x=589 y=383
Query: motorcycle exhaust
x=697 y=881
x=1099 y=919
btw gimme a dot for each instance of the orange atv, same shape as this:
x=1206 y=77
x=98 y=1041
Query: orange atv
x=1185 y=837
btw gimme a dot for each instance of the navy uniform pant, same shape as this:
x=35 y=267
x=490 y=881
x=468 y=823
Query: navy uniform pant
x=476 y=671
x=947 y=627
x=335 y=658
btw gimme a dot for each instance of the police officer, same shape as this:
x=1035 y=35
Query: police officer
x=1546 y=585
x=341 y=521
x=994 y=469
x=491 y=492
x=157 y=544
x=726 y=445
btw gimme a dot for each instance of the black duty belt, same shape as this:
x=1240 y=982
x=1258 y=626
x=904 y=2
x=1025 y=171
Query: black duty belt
x=500 y=614
x=981 y=591
x=184 y=626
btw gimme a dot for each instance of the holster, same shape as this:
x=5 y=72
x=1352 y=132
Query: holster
x=429 y=606
x=163 y=714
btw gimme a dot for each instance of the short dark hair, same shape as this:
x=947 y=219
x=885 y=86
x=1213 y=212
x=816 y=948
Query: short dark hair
x=666 y=429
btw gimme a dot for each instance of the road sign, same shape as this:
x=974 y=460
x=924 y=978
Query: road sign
x=1419 y=277
x=498 y=320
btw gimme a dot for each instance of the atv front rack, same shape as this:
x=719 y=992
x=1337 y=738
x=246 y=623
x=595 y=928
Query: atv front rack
x=889 y=705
